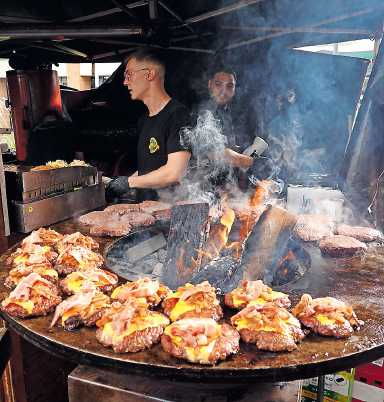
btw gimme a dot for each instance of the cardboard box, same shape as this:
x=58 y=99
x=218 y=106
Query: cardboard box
x=338 y=387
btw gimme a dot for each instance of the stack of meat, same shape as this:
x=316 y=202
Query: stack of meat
x=121 y=219
x=36 y=267
x=335 y=240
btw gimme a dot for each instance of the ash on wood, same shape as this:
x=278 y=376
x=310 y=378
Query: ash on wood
x=187 y=235
x=146 y=247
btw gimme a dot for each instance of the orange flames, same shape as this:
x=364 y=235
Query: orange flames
x=290 y=256
x=218 y=235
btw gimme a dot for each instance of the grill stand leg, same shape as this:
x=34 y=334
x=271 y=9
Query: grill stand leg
x=320 y=388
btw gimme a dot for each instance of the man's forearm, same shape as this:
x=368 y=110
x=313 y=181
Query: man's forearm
x=158 y=178
x=237 y=160
x=166 y=175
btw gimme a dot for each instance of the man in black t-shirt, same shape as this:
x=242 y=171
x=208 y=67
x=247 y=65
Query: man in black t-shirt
x=162 y=160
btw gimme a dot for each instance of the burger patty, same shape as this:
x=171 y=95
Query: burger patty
x=150 y=207
x=341 y=246
x=136 y=219
x=76 y=321
x=215 y=312
x=360 y=233
x=282 y=301
x=122 y=208
x=272 y=341
x=111 y=229
x=136 y=341
x=313 y=227
x=225 y=345
x=44 y=307
x=343 y=330
x=95 y=218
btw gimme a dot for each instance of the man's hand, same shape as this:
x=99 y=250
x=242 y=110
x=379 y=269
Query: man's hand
x=119 y=188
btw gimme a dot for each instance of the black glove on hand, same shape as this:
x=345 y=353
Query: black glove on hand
x=119 y=188
x=261 y=169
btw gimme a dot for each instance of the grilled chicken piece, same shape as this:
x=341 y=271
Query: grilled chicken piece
x=43 y=237
x=45 y=270
x=360 y=233
x=83 y=308
x=77 y=258
x=193 y=301
x=76 y=239
x=327 y=316
x=269 y=326
x=33 y=296
x=200 y=340
x=31 y=254
x=130 y=327
x=255 y=292
x=99 y=279
x=150 y=291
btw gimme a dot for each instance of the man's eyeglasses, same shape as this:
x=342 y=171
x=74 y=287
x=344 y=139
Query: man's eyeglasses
x=129 y=74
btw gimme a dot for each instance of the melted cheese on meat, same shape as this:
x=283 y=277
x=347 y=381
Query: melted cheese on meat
x=26 y=305
x=74 y=285
x=244 y=323
x=199 y=354
x=324 y=320
x=154 y=320
x=180 y=308
x=68 y=314
x=237 y=302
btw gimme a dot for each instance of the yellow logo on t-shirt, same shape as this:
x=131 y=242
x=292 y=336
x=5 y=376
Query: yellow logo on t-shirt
x=153 y=145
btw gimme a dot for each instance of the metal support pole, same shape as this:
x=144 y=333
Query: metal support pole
x=320 y=388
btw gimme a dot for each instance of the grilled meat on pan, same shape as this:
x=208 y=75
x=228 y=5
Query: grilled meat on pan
x=99 y=279
x=160 y=210
x=193 y=301
x=313 y=227
x=254 y=292
x=136 y=219
x=31 y=254
x=341 y=246
x=360 y=233
x=95 y=218
x=200 y=340
x=327 y=316
x=33 y=296
x=43 y=237
x=83 y=308
x=130 y=327
x=45 y=270
x=76 y=239
x=268 y=326
x=77 y=258
x=111 y=228
x=122 y=208
x=150 y=291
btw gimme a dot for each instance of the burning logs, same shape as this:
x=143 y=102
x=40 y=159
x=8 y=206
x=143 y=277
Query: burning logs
x=267 y=244
x=187 y=235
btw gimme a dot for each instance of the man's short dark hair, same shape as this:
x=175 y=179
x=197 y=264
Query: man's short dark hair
x=149 y=55
x=221 y=68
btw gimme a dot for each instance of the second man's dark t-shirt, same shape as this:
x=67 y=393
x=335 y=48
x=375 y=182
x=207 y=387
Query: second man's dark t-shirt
x=159 y=136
